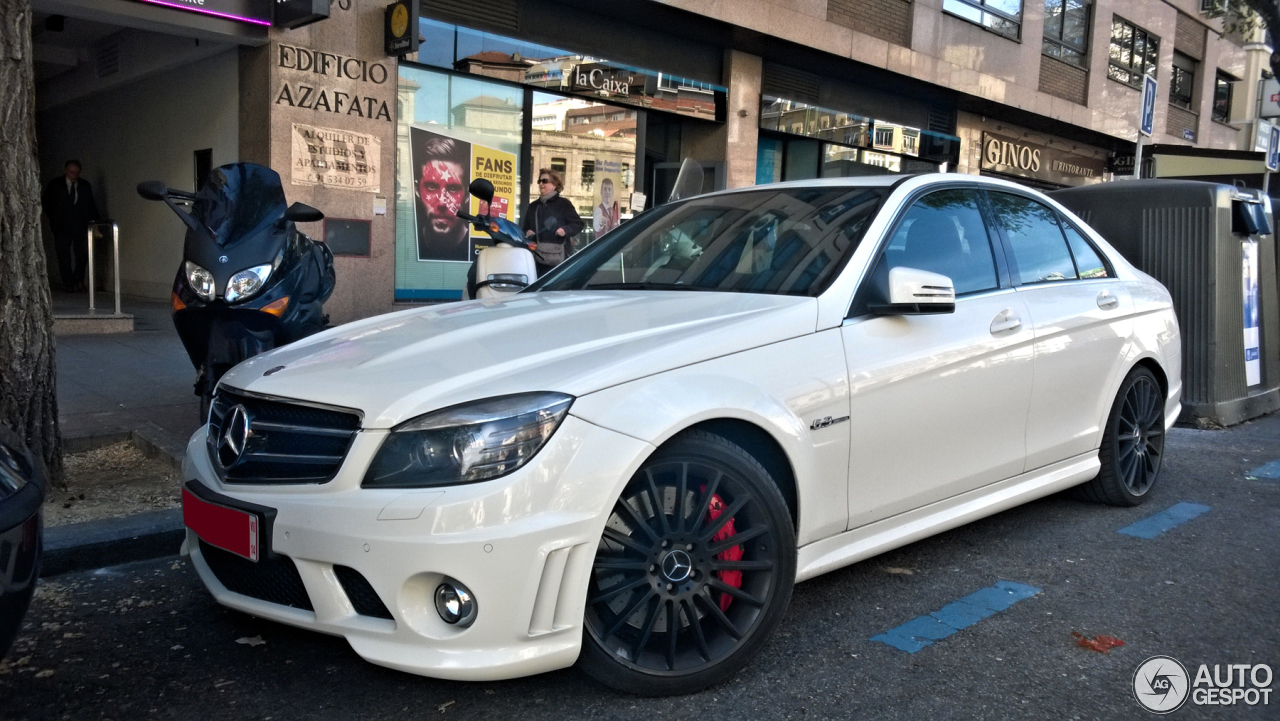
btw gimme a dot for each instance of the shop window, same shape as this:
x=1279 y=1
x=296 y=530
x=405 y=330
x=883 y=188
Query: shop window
x=1133 y=53
x=910 y=143
x=768 y=160
x=884 y=137
x=999 y=16
x=1066 y=31
x=1182 y=82
x=1222 y=97
x=453 y=129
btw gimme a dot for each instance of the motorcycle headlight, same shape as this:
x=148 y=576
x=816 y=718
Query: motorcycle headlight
x=247 y=283
x=201 y=280
x=466 y=443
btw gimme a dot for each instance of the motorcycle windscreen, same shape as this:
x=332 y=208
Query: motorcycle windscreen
x=238 y=201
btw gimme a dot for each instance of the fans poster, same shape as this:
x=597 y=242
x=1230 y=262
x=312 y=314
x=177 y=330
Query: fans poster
x=443 y=168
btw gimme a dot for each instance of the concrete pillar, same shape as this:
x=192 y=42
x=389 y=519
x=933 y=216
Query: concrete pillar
x=742 y=77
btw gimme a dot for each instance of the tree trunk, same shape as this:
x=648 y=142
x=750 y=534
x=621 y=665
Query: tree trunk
x=28 y=403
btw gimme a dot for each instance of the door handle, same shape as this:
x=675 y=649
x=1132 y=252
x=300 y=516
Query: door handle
x=1005 y=320
x=1107 y=301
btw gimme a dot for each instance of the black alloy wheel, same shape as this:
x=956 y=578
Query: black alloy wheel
x=1132 y=445
x=693 y=571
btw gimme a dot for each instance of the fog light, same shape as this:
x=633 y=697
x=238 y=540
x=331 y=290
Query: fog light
x=455 y=603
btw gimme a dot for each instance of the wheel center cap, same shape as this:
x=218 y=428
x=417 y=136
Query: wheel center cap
x=677 y=566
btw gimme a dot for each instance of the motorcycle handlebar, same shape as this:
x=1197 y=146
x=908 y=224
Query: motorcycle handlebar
x=466 y=216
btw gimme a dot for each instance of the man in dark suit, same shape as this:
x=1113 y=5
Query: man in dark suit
x=68 y=201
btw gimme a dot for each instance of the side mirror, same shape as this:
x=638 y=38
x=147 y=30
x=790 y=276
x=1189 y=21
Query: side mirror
x=482 y=189
x=917 y=292
x=303 y=213
x=152 y=190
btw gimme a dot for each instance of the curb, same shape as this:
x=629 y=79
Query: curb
x=112 y=541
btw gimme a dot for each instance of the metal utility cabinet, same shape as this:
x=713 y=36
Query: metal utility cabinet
x=1213 y=247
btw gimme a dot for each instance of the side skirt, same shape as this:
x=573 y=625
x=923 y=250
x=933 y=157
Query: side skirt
x=873 y=539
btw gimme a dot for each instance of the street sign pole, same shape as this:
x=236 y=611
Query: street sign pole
x=1273 y=157
x=1147 y=121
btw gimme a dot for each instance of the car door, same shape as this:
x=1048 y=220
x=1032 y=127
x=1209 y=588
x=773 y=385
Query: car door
x=937 y=402
x=1079 y=313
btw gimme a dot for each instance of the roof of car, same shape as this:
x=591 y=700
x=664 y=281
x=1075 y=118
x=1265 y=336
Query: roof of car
x=879 y=181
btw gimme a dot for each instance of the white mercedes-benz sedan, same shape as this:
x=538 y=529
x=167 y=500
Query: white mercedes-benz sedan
x=630 y=464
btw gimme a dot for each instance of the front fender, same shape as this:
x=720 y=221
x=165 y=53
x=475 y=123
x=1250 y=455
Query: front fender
x=763 y=386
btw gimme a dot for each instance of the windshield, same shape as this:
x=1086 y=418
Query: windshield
x=783 y=241
x=238 y=200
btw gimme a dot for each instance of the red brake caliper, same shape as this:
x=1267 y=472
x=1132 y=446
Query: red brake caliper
x=731 y=578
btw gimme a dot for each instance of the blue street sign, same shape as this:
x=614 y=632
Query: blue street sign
x=1148 y=105
x=1273 y=149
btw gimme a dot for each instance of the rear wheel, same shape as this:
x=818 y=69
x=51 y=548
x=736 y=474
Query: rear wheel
x=1132 y=444
x=693 y=572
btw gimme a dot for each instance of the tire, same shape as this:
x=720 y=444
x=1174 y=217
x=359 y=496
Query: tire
x=675 y=559
x=1132 y=449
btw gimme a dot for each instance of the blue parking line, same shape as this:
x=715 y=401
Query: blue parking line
x=1171 y=517
x=923 y=631
x=1269 y=472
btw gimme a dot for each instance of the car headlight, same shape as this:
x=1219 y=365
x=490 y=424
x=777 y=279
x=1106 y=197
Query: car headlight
x=466 y=443
x=201 y=280
x=13 y=472
x=247 y=283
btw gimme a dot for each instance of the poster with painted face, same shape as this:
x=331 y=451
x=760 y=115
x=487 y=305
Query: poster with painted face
x=441 y=176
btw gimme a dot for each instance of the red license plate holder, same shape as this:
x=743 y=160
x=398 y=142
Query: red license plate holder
x=231 y=529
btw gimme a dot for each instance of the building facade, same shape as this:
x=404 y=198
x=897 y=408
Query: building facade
x=613 y=96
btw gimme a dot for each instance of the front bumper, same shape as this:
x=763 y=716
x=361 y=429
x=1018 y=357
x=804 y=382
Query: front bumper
x=522 y=544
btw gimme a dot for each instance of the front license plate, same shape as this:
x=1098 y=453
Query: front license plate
x=230 y=529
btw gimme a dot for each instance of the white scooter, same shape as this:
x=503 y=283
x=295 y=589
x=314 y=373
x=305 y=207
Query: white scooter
x=507 y=266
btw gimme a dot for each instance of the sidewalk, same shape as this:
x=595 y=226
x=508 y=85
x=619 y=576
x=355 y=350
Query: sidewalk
x=112 y=384
x=117 y=387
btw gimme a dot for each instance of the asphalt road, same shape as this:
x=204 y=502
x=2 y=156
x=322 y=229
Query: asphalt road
x=146 y=641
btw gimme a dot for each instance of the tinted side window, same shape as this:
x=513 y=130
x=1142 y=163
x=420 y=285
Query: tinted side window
x=943 y=232
x=1039 y=250
x=1088 y=263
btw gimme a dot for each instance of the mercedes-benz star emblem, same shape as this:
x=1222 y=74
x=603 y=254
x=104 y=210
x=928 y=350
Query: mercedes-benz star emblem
x=235 y=436
x=677 y=565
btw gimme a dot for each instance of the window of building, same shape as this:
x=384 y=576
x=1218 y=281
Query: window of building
x=1134 y=52
x=558 y=165
x=1183 y=82
x=884 y=137
x=588 y=174
x=1222 y=97
x=1066 y=31
x=999 y=16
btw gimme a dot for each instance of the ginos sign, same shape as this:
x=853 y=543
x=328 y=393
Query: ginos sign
x=1013 y=155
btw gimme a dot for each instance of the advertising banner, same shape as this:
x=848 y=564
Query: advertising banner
x=443 y=168
x=1252 y=353
x=607 y=192
x=335 y=158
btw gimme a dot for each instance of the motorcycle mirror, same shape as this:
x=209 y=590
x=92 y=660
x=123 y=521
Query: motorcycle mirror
x=688 y=181
x=482 y=189
x=303 y=213
x=152 y=190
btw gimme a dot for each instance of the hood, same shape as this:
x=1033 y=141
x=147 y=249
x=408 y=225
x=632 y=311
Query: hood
x=397 y=366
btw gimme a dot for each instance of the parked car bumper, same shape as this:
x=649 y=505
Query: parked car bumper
x=522 y=544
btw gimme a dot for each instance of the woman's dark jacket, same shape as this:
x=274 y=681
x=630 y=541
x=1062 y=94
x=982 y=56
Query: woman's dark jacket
x=544 y=218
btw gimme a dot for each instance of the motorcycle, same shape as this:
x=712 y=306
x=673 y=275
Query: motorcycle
x=505 y=267
x=249 y=280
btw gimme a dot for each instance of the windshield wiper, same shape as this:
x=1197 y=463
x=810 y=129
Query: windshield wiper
x=647 y=286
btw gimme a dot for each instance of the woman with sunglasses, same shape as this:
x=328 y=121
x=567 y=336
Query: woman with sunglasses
x=551 y=221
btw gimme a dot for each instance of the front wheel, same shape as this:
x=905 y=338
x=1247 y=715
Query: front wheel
x=693 y=572
x=1132 y=444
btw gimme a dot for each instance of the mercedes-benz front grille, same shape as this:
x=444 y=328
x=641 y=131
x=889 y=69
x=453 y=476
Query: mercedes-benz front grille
x=259 y=440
